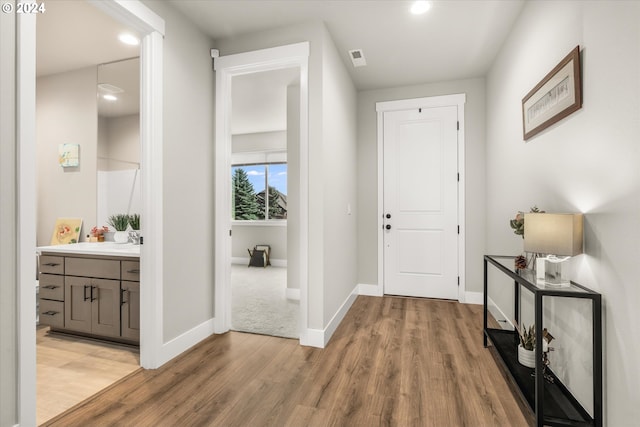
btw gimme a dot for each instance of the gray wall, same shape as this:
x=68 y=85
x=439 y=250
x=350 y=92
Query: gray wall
x=586 y=163
x=8 y=225
x=119 y=142
x=66 y=112
x=188 y=294
x=339 y=179
x=474 y=179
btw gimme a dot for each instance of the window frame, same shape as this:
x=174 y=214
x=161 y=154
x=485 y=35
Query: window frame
x=259 y=159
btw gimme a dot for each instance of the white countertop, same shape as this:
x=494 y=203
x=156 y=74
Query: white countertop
x=101 y=248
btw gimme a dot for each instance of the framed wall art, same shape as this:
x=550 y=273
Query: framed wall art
x=558 y=95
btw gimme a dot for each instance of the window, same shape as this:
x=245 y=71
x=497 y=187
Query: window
x=259 y=192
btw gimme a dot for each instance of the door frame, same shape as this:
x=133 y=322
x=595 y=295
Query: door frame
x=151 y=27
x=456 y=100
x=226 y=67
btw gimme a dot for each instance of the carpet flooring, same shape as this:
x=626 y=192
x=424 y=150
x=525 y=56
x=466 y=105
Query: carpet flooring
x=259 y=303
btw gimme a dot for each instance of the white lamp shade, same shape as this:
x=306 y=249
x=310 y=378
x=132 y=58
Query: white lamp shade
x=556 y=234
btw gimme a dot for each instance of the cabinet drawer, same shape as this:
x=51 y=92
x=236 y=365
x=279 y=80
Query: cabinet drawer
x=87 y=267
x=51 y=264
x=52 y=287
x=52 y=313
x=131 y=271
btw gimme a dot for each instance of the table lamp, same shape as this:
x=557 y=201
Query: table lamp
x=559 y=237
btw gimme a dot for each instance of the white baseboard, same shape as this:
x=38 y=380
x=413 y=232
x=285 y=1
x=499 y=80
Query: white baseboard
x=245 y=261
x=370 y=290
x=320 y=337
x=182 y=343
x=313 y=338
x=498 y=314
x=473 y=298
x=293 y=293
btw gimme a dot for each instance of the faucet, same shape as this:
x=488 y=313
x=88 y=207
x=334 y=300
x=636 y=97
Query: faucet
x=134 y=237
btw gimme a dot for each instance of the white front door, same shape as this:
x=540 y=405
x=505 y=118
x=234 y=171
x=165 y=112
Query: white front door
x=421 y=202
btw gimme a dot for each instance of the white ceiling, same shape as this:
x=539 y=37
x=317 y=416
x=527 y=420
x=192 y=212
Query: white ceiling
x=73 y=34
x=456 y=39
x=259 y=101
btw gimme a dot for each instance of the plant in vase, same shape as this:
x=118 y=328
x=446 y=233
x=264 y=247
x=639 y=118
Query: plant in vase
x=134 y=234
x=134 y=222
x=527 y=346
x=119 y=222
x=97 y=233
x=517 y=224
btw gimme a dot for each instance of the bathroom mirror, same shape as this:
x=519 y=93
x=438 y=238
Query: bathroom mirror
x=118 y=162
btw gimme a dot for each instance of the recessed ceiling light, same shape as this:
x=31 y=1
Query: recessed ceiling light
x=129 y=39
x=420 y=7
x=110 y=97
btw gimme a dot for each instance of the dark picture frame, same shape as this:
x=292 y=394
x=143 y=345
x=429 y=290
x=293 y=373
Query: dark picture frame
x=558 y=95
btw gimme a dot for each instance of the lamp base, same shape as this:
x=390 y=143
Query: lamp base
x=549 y=271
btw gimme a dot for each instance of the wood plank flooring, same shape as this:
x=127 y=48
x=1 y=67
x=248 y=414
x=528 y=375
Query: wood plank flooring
x=70 y=369
x=392 y=362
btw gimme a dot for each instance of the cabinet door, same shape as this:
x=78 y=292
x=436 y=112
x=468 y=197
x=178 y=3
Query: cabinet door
x=105 y=307
x=77 y=304
x=131 y=310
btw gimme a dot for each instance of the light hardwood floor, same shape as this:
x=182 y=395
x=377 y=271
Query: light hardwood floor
x=393 y=361
x=70 y=369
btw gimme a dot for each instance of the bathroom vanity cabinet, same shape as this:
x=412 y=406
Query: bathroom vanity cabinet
x=91 y=295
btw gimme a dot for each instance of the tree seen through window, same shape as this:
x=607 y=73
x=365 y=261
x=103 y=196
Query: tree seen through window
x=259 y=191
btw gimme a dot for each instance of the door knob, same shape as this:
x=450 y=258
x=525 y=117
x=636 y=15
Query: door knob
x=388 y=216
x=388 y=227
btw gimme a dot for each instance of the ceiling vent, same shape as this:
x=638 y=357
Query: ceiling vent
x=357 y=58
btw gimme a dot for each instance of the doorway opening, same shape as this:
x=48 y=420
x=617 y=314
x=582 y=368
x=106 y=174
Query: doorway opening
x=278 y=220
x=88 y=98
x=264 y=126
x=151 y=28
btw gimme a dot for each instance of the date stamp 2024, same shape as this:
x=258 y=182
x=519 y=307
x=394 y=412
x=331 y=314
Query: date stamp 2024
x=23 y=8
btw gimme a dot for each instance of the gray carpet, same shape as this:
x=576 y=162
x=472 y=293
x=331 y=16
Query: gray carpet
x=259 y=302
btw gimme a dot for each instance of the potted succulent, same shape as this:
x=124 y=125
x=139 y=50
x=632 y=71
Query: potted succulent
x=134 y=222
x=527 y=346
x=134 y=234
x=119 y=222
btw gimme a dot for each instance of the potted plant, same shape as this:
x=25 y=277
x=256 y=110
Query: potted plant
x=134 y=222
x=134 y=234
x=97 y=233
x=517 y=224
x=527 y=346
x=119 y=222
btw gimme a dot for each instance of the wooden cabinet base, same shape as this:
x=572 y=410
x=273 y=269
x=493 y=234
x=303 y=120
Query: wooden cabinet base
x=102 y=338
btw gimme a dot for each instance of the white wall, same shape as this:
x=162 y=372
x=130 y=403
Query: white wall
x=587 y=163
x=248 y=236
x=8 y=223
x=259 y=141
x=474 y=179
x=188 y=294
x=339 y=171
x=122 y=142
x=67 y=112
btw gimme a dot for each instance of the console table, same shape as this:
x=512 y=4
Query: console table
x=552 y=403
